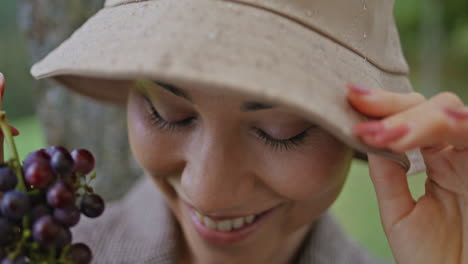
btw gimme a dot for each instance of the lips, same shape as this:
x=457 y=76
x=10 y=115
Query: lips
x=226 y=231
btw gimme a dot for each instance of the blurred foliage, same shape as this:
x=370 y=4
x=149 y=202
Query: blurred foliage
x=14 y=64
x=454 y=51
x=30 y=138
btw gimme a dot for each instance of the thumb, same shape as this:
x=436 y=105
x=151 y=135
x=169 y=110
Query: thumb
x=391 y=186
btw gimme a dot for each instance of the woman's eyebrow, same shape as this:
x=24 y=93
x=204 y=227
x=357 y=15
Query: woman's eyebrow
x=246 y=107
x=255 y=106
x=174 y=90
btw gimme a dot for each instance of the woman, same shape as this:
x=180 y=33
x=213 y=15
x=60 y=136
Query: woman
x=248 y=130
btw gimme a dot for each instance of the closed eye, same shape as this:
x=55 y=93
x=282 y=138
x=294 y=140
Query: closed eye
x=162 y=123
x=283 y=144
x=277 y=144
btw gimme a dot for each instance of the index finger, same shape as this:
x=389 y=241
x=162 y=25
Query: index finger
x=381 y=103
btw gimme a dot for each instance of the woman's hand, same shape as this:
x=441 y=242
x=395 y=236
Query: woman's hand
x=14 y=131
x=433 y=229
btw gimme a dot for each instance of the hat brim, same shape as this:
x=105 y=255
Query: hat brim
x=224 y=46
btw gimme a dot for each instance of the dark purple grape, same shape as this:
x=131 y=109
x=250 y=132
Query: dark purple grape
x=36 y=156
x=80 y=254
x=7 y=261
x=64 y=237
x=60 y=195
x=92 y=205
x=8 y=179
x=46 y=231
x=68 y=217
x=15 y=205
x=84 y=161
x=39 y=174
x=53 y=149
x=22 y=260
x=40 y=211
x=18 y=260
x=62 y=163
x=7 y=232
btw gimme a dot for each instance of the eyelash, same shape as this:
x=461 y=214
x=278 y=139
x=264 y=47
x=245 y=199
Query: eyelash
x=282 y=144
x=276 y=144
x=163 y=124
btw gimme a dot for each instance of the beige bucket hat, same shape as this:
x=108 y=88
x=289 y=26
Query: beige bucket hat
x=300 y=53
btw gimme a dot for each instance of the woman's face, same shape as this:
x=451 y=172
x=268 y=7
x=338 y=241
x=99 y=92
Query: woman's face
x=244 y=178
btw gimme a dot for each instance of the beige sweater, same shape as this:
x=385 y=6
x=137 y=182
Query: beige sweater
x=139 y=229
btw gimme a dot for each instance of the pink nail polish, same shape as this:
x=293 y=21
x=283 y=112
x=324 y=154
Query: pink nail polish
x=359 y=89
x=457 y=113
x=391 y=134
x=368 y=127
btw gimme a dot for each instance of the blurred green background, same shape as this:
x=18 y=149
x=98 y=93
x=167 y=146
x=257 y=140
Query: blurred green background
x=434 y=35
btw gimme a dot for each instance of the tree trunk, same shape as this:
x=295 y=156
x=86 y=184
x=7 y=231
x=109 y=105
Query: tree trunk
x=69 y=119
x=431 y=47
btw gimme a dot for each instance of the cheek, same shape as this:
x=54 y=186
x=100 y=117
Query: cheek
x=316 y=173
x=155 y=151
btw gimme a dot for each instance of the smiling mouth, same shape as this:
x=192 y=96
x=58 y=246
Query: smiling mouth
x=225 y=231
x=223 y=224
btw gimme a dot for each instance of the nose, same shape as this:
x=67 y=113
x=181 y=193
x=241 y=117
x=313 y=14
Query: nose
x=217 y=178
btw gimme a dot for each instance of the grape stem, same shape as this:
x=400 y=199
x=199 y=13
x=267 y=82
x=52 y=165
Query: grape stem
x=51 y=255
x=19 y=247
x=11 y=144
x=64 y=254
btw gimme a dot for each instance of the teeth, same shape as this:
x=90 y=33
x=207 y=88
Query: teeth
x=224 y=225
x=238 y=223
x=209 y=223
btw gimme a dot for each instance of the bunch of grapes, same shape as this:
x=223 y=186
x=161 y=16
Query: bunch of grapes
x=40 y=201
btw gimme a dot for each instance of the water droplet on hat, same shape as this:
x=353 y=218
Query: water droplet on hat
x=364 y=36
x=364 y=7
x=212 y=35
x=309 y=13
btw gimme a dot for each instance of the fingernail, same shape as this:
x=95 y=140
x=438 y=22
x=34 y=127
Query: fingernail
x=391 y=134
x=457 y=113
x=369 y=127
x=357 y=89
